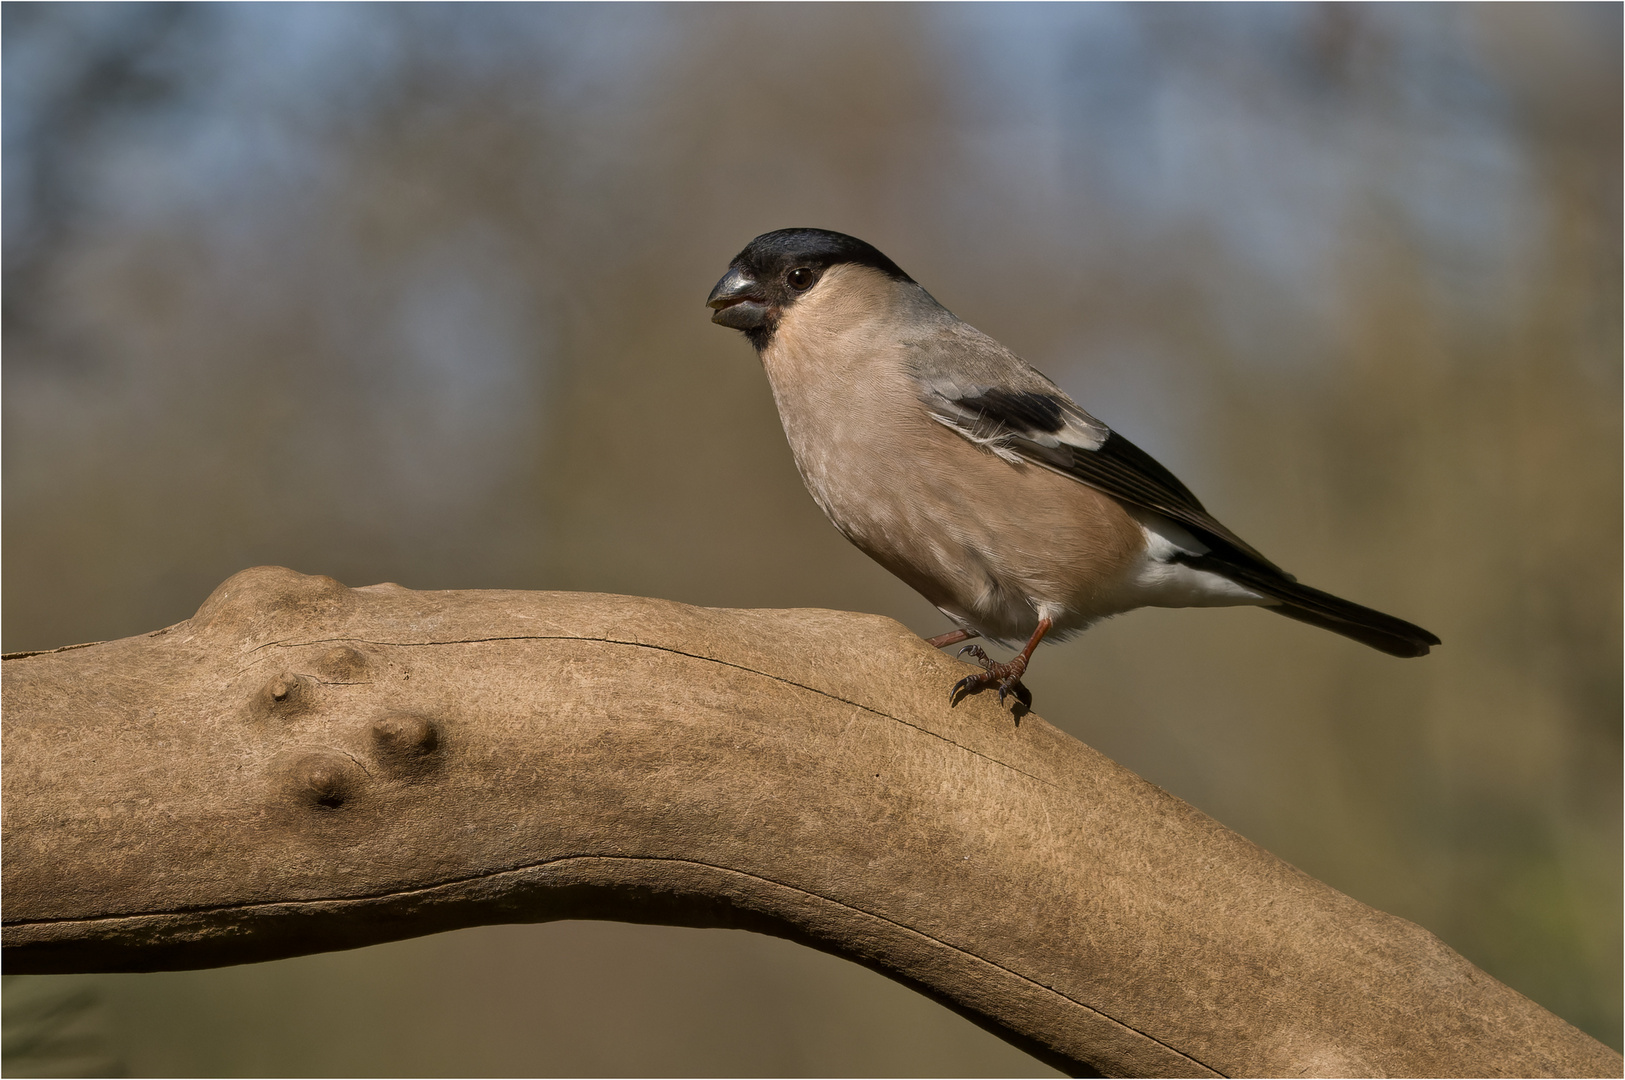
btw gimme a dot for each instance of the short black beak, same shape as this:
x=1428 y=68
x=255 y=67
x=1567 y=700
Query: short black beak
x=738 y=302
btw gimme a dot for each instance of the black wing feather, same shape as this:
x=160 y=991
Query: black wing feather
x=1029 y=425
x=1019 y=421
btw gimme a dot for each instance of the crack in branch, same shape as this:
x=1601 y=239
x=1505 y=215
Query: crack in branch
x=561 y=860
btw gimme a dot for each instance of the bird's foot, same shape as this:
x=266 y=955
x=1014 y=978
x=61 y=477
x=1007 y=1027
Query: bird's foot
x=1007 y=677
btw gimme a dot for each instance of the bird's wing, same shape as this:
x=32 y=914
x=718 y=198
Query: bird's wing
x=1041 y=425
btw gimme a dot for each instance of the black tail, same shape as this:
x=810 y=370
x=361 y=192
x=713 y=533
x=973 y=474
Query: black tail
x=1396 y=637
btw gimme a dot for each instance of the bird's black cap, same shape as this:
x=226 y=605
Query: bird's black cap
x=816 y=248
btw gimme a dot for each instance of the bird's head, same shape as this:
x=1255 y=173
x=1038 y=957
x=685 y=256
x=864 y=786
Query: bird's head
x=779 y=269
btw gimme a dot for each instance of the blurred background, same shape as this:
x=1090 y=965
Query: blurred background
x=416 y=294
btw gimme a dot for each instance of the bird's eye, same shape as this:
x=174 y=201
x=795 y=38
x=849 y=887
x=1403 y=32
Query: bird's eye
x=801 y=278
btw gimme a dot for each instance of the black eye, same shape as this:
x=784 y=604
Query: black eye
x=801 y=278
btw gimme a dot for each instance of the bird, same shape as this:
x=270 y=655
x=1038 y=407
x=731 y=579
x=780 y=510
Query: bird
x=974 y=478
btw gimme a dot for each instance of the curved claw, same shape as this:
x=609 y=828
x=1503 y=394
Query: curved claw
x=1016 y=689
x=976 y=651
x=963 y=689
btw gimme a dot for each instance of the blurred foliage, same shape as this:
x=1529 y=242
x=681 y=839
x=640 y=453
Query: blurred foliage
x=415 y=293
x=55 y=1027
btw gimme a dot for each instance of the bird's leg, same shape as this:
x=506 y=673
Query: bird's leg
x=952 y=637
x=1007 y=676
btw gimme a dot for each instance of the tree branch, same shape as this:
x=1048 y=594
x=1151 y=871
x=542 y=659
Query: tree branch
x=303 y=767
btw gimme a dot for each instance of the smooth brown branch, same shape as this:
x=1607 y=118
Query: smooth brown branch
x=303 y=767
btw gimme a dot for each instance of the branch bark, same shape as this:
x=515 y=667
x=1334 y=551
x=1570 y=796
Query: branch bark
x=303 y=767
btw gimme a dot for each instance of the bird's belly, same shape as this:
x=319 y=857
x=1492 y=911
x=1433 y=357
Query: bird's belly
x=990 y=543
